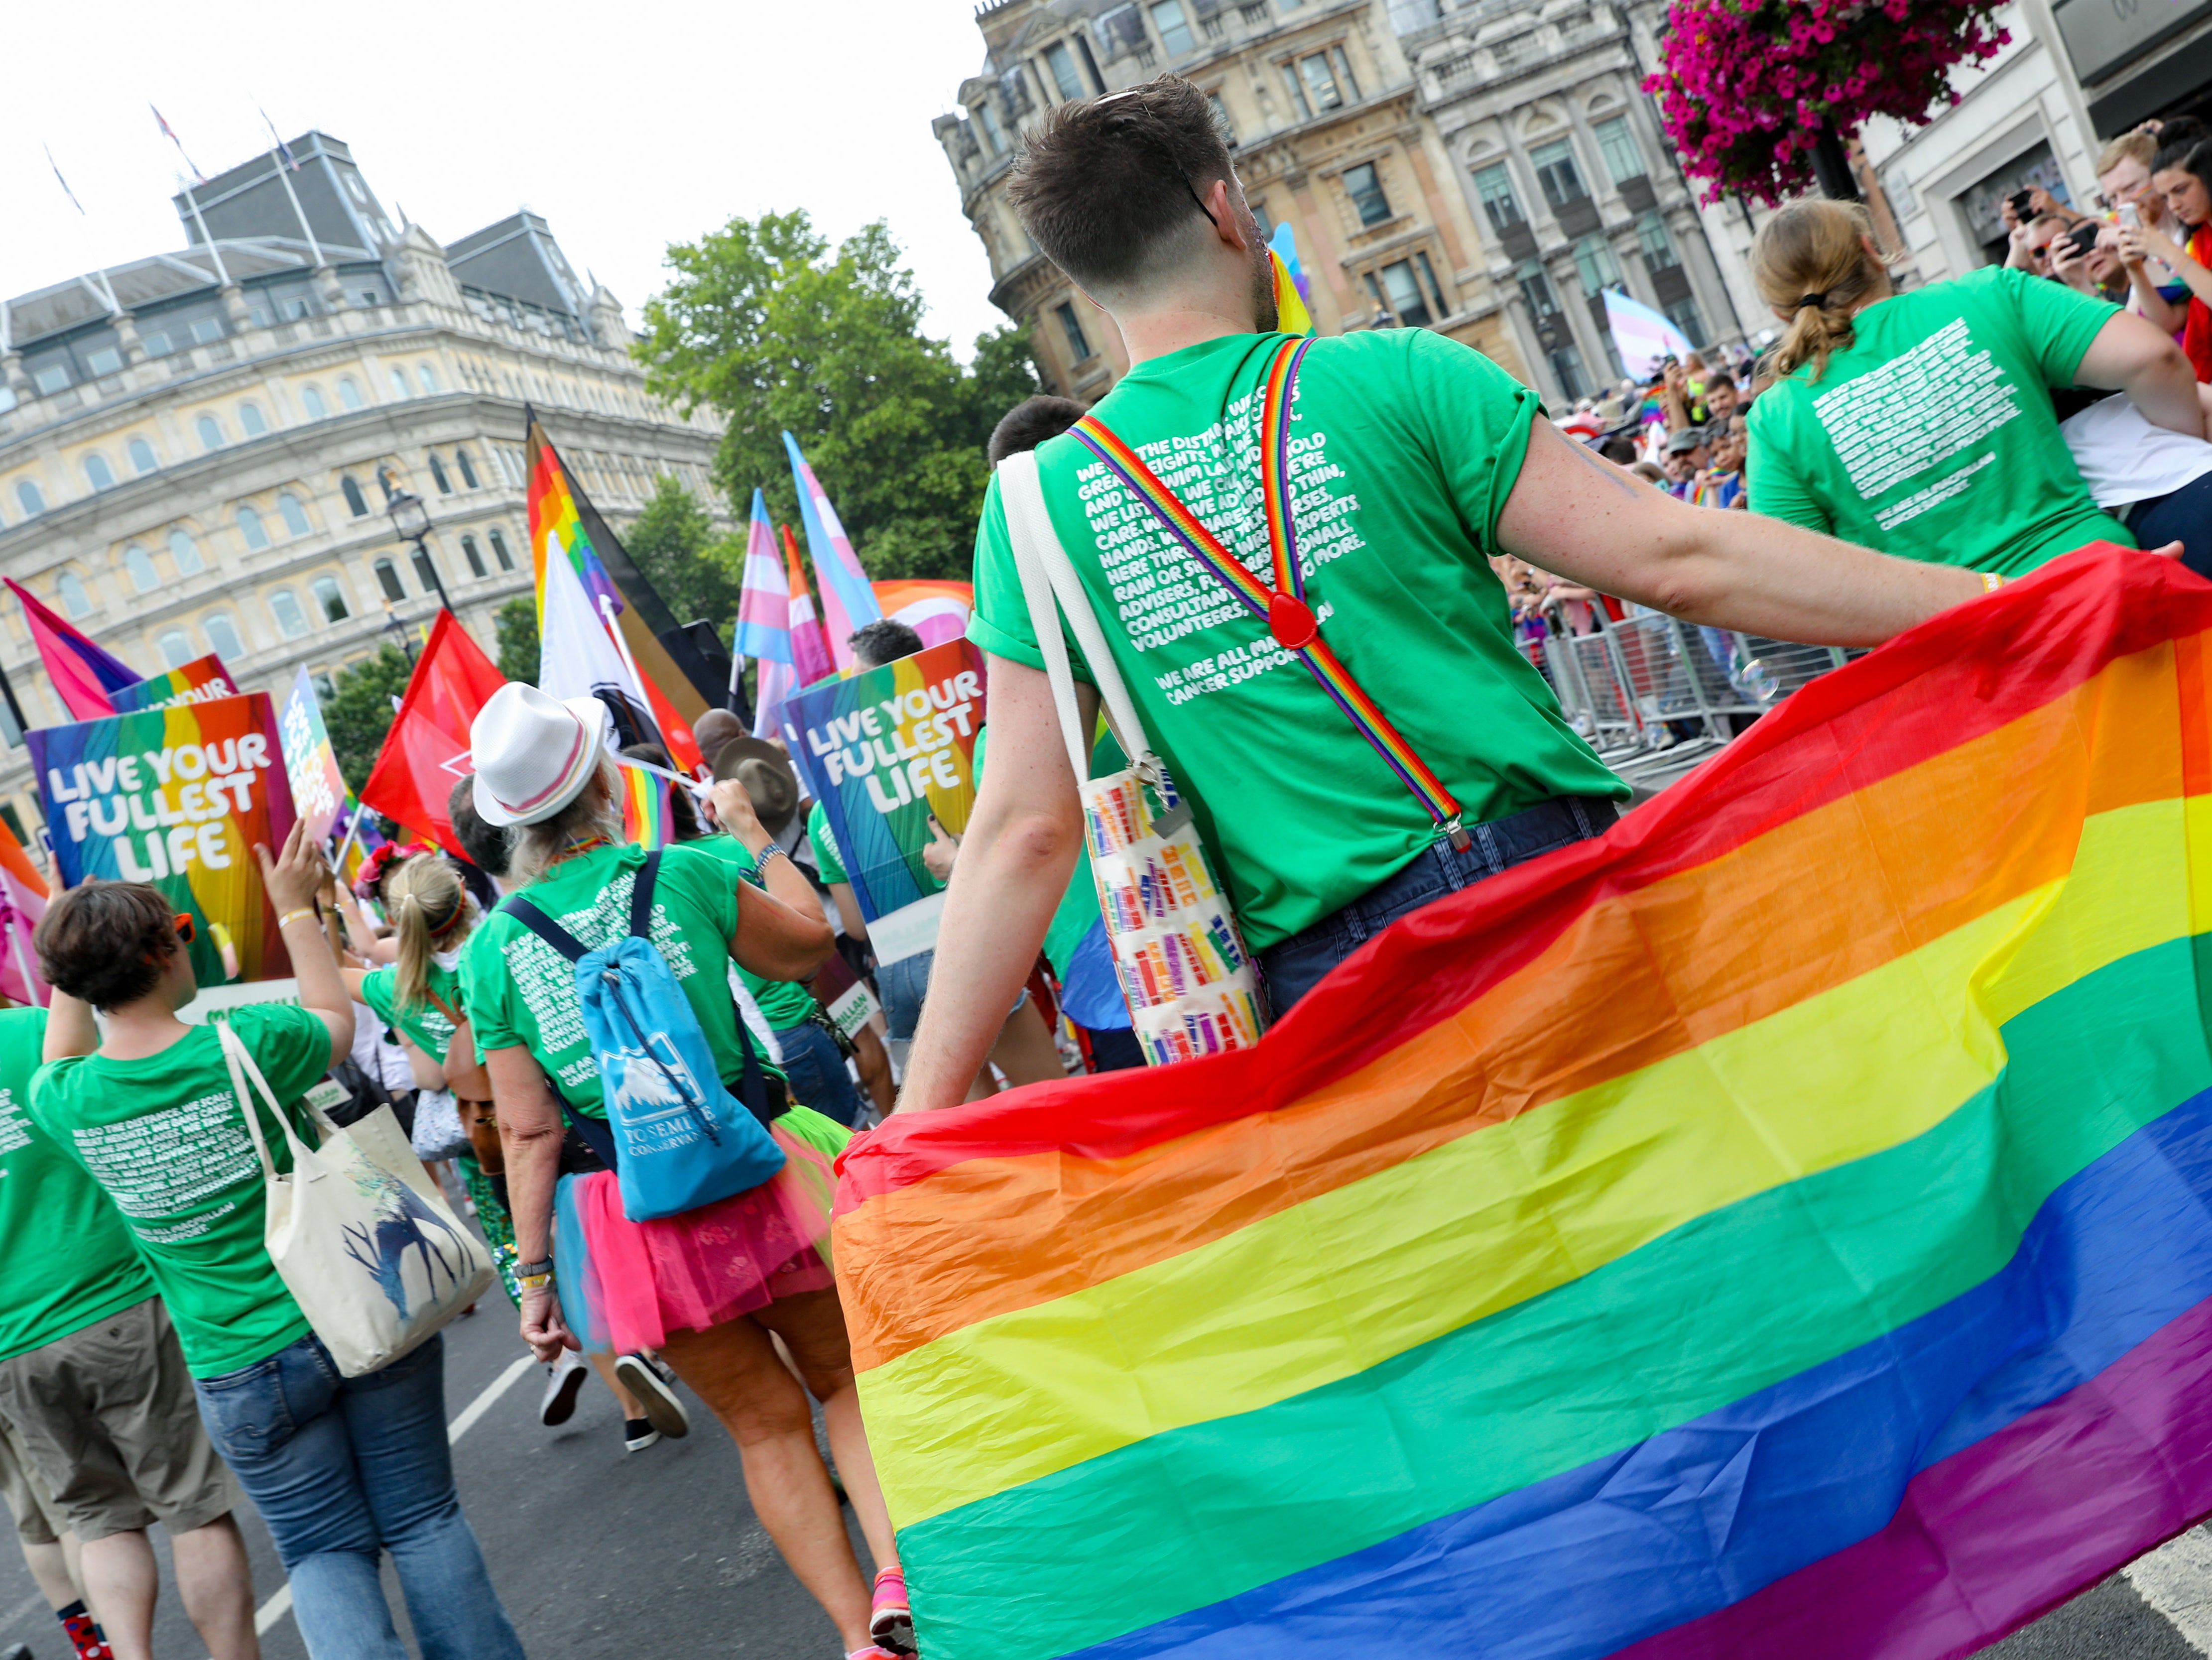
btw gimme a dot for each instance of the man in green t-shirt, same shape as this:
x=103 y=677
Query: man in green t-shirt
x=1414 y=461
x=93 y=1380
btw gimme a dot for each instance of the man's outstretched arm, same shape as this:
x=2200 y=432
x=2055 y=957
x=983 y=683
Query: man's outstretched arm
x=1015 y=857
x=1578 y=516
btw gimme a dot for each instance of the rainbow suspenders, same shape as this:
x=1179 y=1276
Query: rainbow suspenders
x=1283 y=609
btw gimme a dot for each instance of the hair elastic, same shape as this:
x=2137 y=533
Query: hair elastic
x=1820 y=299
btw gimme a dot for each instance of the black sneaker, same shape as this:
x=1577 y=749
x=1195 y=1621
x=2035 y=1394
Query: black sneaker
x=564 y=1381
x=638 y=1434
x=653 y=1386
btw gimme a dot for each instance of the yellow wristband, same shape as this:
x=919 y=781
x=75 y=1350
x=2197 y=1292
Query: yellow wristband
x=292 y=917
x=1991 y=581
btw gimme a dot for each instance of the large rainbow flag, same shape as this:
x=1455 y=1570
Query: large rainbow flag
x=1781 y=1229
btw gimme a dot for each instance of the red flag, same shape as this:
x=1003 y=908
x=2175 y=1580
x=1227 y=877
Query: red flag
x=427 y=751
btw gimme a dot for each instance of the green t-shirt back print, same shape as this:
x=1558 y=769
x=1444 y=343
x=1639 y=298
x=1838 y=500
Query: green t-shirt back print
x=424 y=1023
x=68 y=1257
x=1404 y=447
x=1911 y=440
x=164 y=1137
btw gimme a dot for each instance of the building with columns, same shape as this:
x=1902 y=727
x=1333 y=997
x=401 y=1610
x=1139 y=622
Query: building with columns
x=197 y=447
x=1324 y=120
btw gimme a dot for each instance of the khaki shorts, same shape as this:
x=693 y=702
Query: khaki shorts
x=36 y=1518
x=107 y=1420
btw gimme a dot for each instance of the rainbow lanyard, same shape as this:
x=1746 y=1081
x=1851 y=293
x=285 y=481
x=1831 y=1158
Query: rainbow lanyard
x=1282 y=607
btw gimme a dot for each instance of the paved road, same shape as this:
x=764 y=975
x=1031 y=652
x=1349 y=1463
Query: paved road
x=599 y=1554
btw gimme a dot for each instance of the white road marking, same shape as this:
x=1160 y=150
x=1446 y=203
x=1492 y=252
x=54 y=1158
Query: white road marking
x=281 y=1604
x=2176 y=1580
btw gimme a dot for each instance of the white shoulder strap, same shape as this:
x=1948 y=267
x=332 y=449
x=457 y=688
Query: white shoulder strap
x=1048 y=574
x=243 y=1065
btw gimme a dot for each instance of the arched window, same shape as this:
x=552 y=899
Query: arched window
x=98 y=473
x=186 y=552
x=140 y=564
x=468 y=468
x=311 y=399
x=387 y=578
x=249 y=417
x=399 y=383
x=222 y=635
x=438 y=475
x=429 y=377
x=142 y=456
x=251 y=527
x=210 y=431
x=499 y=549
x=357 y=504
x=176 y=649
x=330 y=597
x=74 y=600
x=426 y=575
x=284 y=607
x=30 y=498
x=295 y=516
x=469 y=552
x=348 y=393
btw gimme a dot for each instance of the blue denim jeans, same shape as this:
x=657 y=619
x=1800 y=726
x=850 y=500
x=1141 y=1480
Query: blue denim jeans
x=342 y=1468
x=1295 y=966
x=815 y=1067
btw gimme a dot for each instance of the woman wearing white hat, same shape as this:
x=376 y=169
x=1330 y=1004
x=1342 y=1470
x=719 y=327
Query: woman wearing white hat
x=707 y=1287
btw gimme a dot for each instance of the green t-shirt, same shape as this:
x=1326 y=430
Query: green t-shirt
x=1405 y=446
x=829 y=862
x=520 y=990
x=784 y=1003
x=1931 y=436
x=67 y=1255
x=165 y=1138
x=423 y=1024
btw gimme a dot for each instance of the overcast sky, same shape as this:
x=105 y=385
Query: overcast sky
x=628 y=125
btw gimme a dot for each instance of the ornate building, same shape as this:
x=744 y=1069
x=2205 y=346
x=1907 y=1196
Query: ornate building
x=1324 y=117
x=1538 y=104
x=195 y=448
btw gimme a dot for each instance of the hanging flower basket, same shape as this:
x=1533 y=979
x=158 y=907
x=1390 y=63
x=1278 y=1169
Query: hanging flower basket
x=1747 y=86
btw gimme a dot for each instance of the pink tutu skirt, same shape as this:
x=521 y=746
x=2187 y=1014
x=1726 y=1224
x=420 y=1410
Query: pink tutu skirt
x=627 y=1285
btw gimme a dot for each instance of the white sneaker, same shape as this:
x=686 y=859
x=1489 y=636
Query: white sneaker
x=653 y=1386
x=564 y=1381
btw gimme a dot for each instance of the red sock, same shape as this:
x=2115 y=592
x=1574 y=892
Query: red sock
x=85 y=1637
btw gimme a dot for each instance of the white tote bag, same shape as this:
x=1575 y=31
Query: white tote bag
x=1191 y=986
x=375 y=1256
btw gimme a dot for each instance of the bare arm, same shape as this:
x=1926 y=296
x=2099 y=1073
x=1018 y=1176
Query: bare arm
x=69 y=1028
x=1607 y=529
x=291 y=878
x=464 y=1074
x=1015 y=857
x=848 y=910
x=530 y=1130
x=2130 y=355
x=782 y=934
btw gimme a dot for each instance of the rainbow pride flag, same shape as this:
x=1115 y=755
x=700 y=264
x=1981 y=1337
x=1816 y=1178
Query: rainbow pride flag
x=645 y=809
x=1780 y=1229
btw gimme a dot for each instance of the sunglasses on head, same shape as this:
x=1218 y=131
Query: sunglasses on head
x=185 y=927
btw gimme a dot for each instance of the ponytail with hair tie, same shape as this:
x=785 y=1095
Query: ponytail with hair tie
x=426 y=898
x=1812 y=266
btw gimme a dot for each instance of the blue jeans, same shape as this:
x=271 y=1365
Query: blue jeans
x=1295 y=966
x=815 y=1068
x=342 y=1468
x=2185 y=516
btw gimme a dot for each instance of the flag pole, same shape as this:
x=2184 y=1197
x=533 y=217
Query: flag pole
x=352 y=835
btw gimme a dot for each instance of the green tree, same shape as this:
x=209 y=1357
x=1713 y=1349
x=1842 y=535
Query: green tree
x=360 y=715
x=673 y=543
x=516 y=626
x=773 y=330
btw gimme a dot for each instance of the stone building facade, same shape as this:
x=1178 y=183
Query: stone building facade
x=195 y=448
x=1539 y=106
x=1324 y=120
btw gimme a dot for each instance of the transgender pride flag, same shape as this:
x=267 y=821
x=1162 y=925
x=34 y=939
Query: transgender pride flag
x=847 y=601
x=1642 y=336
x=764 y=618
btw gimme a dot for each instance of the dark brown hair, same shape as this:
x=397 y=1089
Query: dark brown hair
x=1103 y=185
x=1029 y=423
x=106 y=942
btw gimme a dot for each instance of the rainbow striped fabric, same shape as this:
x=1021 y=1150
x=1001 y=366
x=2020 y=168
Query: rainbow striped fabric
x=645 y=809
x=1780 y=1229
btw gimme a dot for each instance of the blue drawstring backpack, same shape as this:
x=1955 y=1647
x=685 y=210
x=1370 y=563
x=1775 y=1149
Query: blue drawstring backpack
x=679 y=1139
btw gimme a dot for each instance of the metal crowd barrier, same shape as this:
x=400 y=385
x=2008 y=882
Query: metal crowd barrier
x=1652 y=693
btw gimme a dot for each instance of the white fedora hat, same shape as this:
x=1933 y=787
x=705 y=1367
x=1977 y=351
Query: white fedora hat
x=534 y=753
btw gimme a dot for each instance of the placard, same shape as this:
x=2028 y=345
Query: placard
x=177 y=797
x=318 y=788
x=200 y=681
x=883 y=751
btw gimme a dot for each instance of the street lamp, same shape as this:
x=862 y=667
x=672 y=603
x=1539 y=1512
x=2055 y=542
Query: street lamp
x=411 y=519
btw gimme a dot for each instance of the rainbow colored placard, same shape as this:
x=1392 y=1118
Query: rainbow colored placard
x=1781 y=1230
x=177 y=797
x=311 y=765
x=200 y=681
x=882 y=751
